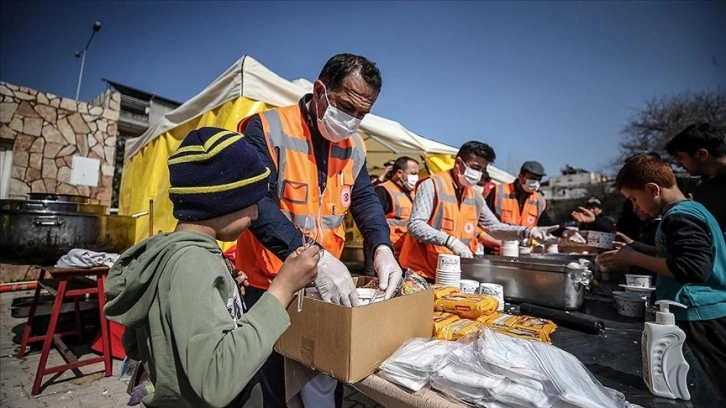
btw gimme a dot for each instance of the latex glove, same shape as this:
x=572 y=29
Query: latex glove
x=458 y=247
x=334 y=282
x=388 y=271
x=543 y=235
x=574 y=236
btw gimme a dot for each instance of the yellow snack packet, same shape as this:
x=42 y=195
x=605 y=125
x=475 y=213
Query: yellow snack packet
x=441 y=290
x=527 y=327
x=442 y=319
x=498 y=320
x=467 y=305
x=458 y=329
x=542 y=327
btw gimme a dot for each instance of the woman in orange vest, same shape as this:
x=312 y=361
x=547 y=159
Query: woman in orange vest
x=446 y=211
x=396 y=196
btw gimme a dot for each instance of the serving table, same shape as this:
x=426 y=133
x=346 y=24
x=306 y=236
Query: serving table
x=612 y=357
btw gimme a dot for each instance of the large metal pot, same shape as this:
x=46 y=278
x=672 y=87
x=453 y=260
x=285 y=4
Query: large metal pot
x=39 y=231
x=546 y=282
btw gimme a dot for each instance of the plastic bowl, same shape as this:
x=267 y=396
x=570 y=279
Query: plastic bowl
x=638 y=281
x=630 y=304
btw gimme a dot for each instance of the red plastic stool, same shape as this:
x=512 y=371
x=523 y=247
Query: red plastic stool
x=67 y=282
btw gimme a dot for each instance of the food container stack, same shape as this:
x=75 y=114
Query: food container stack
x=448 y=270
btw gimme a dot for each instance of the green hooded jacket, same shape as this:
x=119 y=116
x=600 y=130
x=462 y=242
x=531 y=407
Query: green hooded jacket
x=176 y=293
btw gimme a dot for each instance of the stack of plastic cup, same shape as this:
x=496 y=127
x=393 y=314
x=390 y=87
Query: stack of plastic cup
x=495 y=290
x=510 y=248
x=448 y=270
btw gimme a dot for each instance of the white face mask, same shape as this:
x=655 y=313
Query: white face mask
x=530 y=185
x=336 y=125
x=470 y=177
x=411 y=181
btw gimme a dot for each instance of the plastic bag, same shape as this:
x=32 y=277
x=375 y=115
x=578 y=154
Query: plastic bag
x=412 y=364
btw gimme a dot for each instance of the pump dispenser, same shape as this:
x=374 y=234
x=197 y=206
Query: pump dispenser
x=664 y=368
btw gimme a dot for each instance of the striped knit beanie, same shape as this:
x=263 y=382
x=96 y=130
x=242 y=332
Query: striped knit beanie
x=213 y=173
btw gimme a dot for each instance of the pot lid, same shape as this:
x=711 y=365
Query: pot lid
x=69 y=198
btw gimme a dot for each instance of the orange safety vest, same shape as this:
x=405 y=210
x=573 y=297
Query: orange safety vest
x=397 y=218
x=507 y=206
x=298 y=191
x=457 y=220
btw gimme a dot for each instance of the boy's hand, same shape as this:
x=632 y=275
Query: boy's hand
x=620 y=237
x=298 y=270
x=583 y=215
x=573 y=235
x=242 y=281
x=619 y=257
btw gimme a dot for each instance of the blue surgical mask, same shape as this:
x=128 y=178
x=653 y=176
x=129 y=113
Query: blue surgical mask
x=336 y=125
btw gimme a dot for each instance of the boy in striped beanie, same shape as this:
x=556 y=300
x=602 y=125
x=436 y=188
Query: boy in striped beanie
x=177 y=296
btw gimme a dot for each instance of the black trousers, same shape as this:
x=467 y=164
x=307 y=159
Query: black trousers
x=707 y=341
x=272 y=373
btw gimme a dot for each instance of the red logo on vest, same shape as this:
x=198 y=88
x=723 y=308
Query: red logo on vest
x=345 y=197
x=469 y=228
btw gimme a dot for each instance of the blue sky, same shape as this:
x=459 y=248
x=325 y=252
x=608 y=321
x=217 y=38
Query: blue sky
x=549 y=81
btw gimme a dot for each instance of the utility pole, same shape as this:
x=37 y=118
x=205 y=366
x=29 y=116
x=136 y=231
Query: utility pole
x=82 y=54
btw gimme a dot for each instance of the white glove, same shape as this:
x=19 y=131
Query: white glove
x=573 y=236
x=458 y=247
x=388 y=270
x=543 y=234
x=334 y=282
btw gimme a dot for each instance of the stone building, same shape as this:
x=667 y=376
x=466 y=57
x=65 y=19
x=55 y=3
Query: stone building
x=44 y=137
x=43 y=134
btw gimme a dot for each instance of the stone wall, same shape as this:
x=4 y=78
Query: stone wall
x=48 y=130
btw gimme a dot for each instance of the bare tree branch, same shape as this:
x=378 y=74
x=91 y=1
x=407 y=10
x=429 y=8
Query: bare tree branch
x=662 y=118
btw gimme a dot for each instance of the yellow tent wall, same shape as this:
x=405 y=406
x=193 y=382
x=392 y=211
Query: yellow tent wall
x=146 y=175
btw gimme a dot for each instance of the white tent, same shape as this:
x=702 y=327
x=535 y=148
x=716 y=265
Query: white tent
x=247 y=87
x=385 y=138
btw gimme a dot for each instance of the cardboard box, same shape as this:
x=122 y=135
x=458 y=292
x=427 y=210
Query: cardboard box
x=349 y=343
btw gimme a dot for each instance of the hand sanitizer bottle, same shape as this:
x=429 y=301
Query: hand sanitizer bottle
x=664 y=368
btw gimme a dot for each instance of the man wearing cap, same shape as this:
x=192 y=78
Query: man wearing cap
x=520 y=202
x=318 y=170
x=591 y=217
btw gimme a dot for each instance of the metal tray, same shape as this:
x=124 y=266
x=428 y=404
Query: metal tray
x=546 y=282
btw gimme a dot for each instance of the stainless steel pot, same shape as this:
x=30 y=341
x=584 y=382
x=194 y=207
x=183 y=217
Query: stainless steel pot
x=41 y=231
x=546 y=282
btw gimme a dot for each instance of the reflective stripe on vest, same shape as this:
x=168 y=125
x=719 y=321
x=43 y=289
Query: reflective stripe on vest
x=507 y=206
x=450 y=217
x=318 y=214
x=397 y=218
x=400 y=204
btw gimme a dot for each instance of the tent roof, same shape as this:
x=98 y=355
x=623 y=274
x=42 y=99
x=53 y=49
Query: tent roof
x=249 y=78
